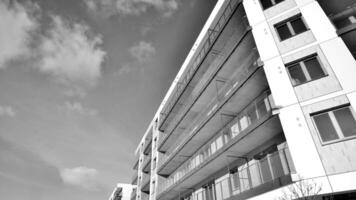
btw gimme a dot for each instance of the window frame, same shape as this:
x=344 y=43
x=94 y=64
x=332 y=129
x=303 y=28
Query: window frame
x=290 y=27
x=335 y=123
x=301 y=63
x=272 y=1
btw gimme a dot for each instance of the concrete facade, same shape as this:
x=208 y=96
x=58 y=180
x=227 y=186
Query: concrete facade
x=264 y=101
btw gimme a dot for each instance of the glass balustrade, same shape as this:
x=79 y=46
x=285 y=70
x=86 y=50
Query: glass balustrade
x=207 y=45
x=247 y=177
x=258 y=109
x=238 y=77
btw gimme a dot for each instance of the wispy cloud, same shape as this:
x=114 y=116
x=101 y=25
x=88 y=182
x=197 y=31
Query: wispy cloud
x=132 y=7
x=78 y=109
x=82 y=177
x=70 y=55
x=7 y=111
x=142 y=53
x=68 y=51
x=16 y=24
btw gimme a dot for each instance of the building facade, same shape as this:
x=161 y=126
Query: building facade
x=264 y=101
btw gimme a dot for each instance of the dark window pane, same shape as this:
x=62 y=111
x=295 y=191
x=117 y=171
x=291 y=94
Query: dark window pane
x=350 y=41
x=314 y=68
x=265 y=170
x=235 y=181
x=252 y=114
x=297 y=75
x=266 y=3
x=278 y=1
x=346 y=121
x=261 y=108
x=326 y=129
x=298 y=26
x=283 y=32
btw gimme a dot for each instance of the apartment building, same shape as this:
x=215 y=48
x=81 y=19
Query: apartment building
x=265 y=101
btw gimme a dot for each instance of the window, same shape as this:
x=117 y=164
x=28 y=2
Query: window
x=269 y=3
x=305 y=70
x=336 y=124
x=290 y=27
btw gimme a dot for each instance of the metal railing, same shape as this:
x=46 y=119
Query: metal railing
x=248 y=177
x=241 y=74
x=212 y=35
x=255 y=111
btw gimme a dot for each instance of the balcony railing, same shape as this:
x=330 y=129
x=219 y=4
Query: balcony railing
x=258 y=109
x=212 y=35
x=146 y=167
x=252 y=175
x=239 y=77
x=146 y=183
x=134 y=178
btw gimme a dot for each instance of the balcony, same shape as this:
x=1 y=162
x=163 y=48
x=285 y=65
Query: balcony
x=146 y=164
x=135 y=167
x=251 y=179
x=251 y=128
x=134 y=178
x=342 y=14
x=148 y=147
x=145 y=187
x=208 y=52
x=247 y=82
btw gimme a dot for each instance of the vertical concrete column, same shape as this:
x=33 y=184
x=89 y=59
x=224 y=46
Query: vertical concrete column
x=302 y=148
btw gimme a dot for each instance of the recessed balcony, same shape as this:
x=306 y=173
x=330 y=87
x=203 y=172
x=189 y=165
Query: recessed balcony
x=146 y=164
x=247 y=132
x=145 y=187
x=135 y=166
x=249 y=82
x=250 y=179
x=342 y=13
x=134 y=178
x=148 y=147
x=213 y=47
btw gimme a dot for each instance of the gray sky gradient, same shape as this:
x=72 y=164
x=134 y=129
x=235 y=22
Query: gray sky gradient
x=80 y=81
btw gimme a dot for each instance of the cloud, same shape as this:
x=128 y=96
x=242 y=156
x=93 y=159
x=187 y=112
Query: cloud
x=142 y=53
x=7 y=111
x=79 y=109
x=132 y=7
x=68 y=51
x=15 y=27
x=82 y=177
x=70 y=55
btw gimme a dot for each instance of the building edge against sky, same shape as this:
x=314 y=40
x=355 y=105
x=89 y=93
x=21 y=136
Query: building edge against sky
x=265 y=99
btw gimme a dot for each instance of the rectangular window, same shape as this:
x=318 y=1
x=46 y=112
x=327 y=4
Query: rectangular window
x=269 y=3
x=305 y=70
x=335 y=124
x=290 y=27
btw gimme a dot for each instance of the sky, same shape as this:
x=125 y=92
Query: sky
x=80 y=80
